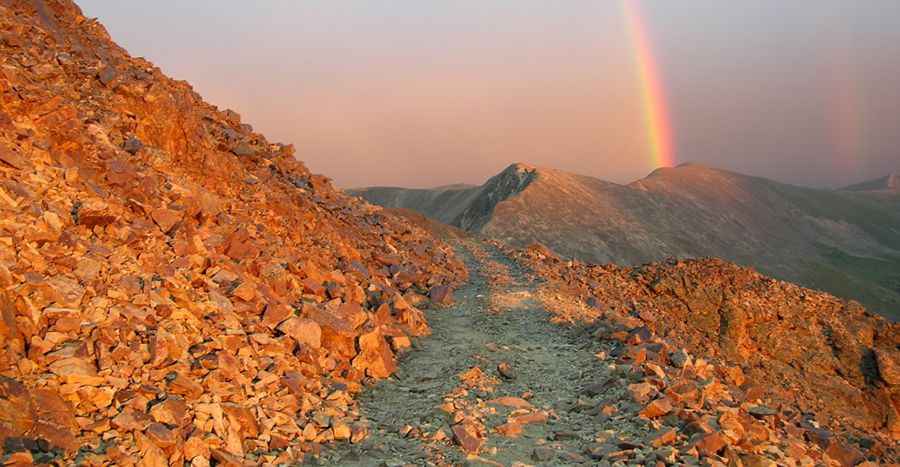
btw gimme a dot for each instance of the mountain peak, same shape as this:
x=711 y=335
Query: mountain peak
x=519 y=167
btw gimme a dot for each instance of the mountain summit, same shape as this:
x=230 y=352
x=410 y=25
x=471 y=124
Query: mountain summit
x=837 y=241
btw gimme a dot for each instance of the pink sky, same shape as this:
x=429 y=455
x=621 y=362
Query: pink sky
x=432 y=93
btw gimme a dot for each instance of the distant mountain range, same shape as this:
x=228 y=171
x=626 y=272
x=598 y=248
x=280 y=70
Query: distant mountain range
x=843 y=241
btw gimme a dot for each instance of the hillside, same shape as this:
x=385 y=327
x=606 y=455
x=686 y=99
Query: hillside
x=803 y=350
x=843 y=242
x=174 y=287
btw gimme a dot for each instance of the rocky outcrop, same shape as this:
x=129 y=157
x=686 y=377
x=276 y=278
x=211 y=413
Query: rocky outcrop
x=806 y=351
x=498 y=188
x=174 y=287
x=462 y=206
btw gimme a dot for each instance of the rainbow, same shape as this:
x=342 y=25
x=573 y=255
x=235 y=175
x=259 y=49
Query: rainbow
x=656 y=114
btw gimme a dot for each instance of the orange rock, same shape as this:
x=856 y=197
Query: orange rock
x=131 y=420
x=246 y=291
x=375 y=356
x=663 y=438
x=509 y=430
x=510 y=401
x=467 y=437
x=399 y=343
x=161 y=436
x=641 y=392
x=166 y=218
x=710 y=444
x=534 y=417
x=846 y=455
x=657 y=408
x=304 y=331
x=195 y=446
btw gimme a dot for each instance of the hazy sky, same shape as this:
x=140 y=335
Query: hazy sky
x=424 y=93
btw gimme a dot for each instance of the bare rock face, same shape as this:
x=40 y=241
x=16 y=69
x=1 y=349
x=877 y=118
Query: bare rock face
x=173 y=285
x=888 y=366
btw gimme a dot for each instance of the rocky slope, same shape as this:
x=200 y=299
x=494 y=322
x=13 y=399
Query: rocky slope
x=825 y=360
x=843 y=242
x=173 y=287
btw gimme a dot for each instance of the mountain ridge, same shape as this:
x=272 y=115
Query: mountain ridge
x=888 y=183
x=840 y=241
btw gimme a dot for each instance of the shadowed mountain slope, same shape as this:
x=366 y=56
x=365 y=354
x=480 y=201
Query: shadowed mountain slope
x=847 y=243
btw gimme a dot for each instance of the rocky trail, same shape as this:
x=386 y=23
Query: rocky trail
x=495 y=384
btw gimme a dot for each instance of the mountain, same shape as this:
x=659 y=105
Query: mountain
x=844 y=242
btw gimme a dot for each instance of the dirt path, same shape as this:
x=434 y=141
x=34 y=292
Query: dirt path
x=413 y=414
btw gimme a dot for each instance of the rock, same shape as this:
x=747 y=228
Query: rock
x=530 y=418
x=641 y=392
x=341 y=431
x=171 y=411
x=467 y=437
x=664 y=437
x=761 y=411
x=166 y=219
x=94 y=212
x=710 y=444
x=752 y=460
x=668 y=455
x=657 y=408
x=509 y=430
x=20 y=458
x=847 y=456
x=375 y=356
x=565 y=435
x=130 y=420
x=679 y=358
x=543 y=454
x=304 y=331
x=358 y=433
x=441 y=295
x=12 y=159
x=243 y=150
x=107 y=75
x=506 y=370
x=132 y=145
x=161 y=436
x=594 y=389
x=399 y=343
x=36 y=414
x=510 y=401
x=242 y=419
x=888 y=367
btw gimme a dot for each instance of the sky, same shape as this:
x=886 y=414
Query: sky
x=419 y=94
